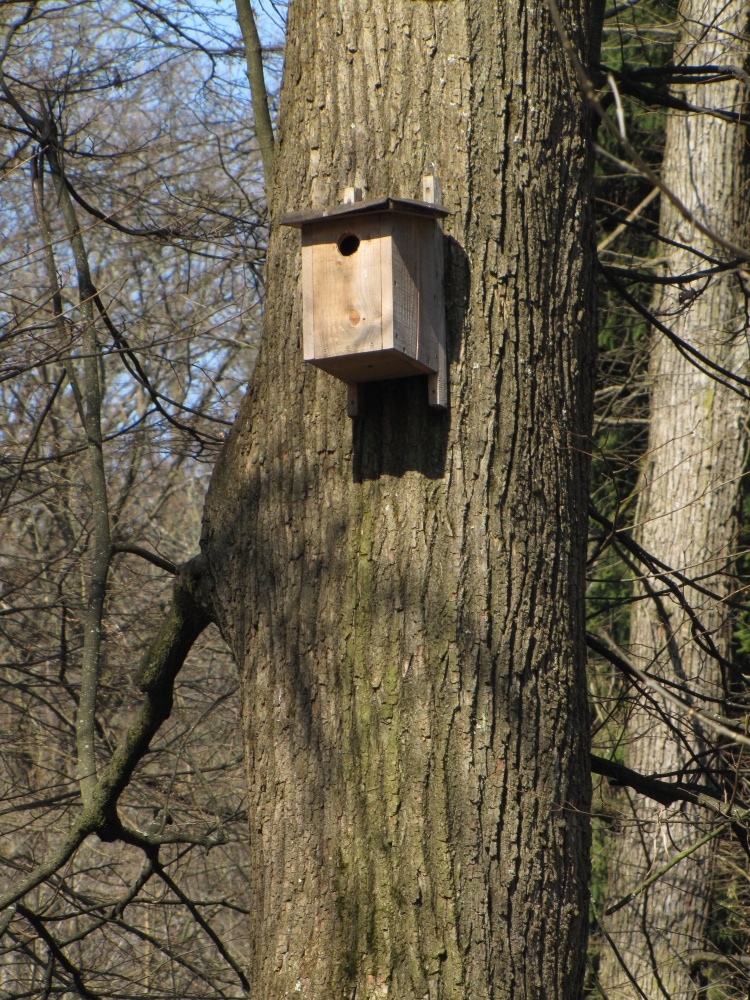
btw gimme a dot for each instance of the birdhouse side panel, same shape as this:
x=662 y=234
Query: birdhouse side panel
x=308 y=305
x=346 y=287
x=431 y=336
x=401 y=284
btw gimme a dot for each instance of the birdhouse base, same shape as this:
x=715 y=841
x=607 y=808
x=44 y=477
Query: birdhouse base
x=372 y=366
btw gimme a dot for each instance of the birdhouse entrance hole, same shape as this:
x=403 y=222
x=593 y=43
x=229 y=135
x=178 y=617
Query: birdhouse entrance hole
x=348 y=244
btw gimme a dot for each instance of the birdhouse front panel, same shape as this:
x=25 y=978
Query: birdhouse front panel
x=345 y=311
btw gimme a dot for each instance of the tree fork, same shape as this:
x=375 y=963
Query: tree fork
x=186 y=619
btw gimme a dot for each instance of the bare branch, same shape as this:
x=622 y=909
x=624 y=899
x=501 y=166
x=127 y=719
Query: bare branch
x=665 y=792
x=152 y=557
x=185 y=621
x=675 y=860
x=607 y=647
x=589 y=92
x=261 y=113
x=203 y=923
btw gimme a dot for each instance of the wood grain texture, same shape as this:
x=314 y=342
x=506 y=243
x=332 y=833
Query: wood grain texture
x=363 y=312
x=372 y=366
x=406 y=259
x=404 y=594
x=432 y=295
x=347 y=294
x=308 y=300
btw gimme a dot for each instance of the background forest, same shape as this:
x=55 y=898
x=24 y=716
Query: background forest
x=134 y=222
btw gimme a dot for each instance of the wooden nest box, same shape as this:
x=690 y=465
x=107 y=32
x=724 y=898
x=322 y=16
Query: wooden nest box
x=372 y=290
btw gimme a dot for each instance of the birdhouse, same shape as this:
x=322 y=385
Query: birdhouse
x=373 y=304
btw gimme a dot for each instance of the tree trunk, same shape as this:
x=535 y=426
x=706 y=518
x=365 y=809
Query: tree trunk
x=687 y=517
x=404 y=593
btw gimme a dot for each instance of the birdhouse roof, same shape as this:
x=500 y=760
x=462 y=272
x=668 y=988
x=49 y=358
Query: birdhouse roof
x=403 y=206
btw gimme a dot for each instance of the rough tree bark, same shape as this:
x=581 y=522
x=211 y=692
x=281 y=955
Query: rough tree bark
x=687 y=513
x=404 y=594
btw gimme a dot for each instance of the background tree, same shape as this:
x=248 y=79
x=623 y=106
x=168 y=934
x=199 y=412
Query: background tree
x=688 y=501
x=688 y=505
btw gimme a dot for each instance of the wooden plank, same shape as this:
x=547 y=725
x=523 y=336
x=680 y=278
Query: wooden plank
x=347 y=293
x=308 y=301
x=386 y=285
x=404 y=282
x=437 y=390
x=353 y=400
x=371 y=367
x=431 y=338
x=432 y=303
x=438 y=383
x=386 y=204
x=431 y=191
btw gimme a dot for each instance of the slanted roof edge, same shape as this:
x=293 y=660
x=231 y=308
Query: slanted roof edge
x=405 y=206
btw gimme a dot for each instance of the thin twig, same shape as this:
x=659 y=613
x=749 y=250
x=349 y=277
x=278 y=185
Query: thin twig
x=62 y=958
x=590 y=94
x=32 y=440
x=706 y=718
x=675 y=860
x=186 y=619
x=608 y=240
x=616 y=953
x=203 y=923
